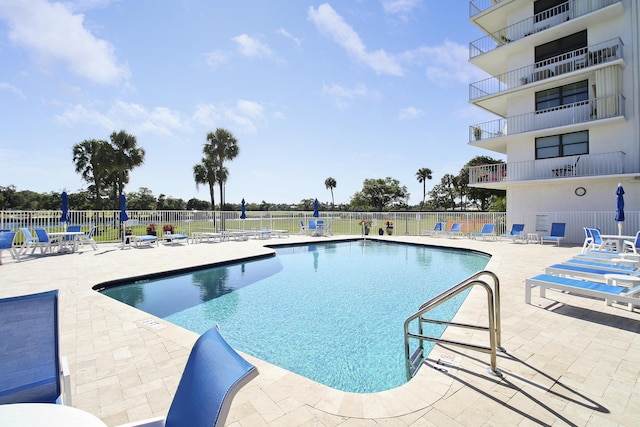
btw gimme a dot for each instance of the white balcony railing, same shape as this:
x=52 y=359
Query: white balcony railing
x=555 y=168
x=563 y=115
x=477 y=6
x=571 y=61
x=549 y=18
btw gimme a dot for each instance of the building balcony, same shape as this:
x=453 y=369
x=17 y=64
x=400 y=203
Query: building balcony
x=591 y=110
x=566 y=18
x=478 y=6
x=484 y=92
x=587 y=165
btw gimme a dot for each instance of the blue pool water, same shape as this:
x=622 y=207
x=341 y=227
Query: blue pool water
x=332 y=312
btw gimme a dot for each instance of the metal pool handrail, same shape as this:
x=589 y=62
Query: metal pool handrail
x=493 y=302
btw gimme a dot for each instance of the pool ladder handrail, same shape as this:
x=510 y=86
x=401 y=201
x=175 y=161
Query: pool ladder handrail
x=493 y=302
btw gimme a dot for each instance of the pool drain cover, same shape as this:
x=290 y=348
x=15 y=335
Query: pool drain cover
x=152 y=324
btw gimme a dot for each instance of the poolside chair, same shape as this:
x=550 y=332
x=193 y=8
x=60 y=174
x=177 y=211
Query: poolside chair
x=455 y=230
x=6 y=243
x=44 y=242
x=303 y=228
x=438 y=229
x=88 y=238
x=557 y=233
x=517 y=232
x=609 y=293
x=29 y=241
x=70 y=240
x=588 y=273
x=213 y=375
x=312 y=228
x=634 y=245
x=487 y=231
x=31 y=369
x=595 y=244
x=171 y=238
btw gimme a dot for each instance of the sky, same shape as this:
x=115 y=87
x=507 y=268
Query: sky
x=352 y=90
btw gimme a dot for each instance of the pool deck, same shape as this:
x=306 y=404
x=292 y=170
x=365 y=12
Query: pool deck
x=569 y=360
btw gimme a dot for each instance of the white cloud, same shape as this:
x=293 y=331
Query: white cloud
x=216 y=58
x=245 y=115
x=10 y=88
x=445 y=63
x=329 y=22
x=52 y=33
x=410 y=113
x=344 y=95
x=400 y=7
x=251 y=47
x=285 y=33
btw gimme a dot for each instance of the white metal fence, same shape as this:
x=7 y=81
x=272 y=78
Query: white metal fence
x=109 y=228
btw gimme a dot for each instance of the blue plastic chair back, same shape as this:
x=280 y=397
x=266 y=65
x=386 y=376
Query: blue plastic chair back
x=456 y=227
x=517 y=229
x=28 y=237
x=595 y=234
x=30 y=358
x=212 y=376
x=6 y=239
x=312 y=224
x=74 y=229
x=557 y=229
x=439 y=226
x=487 y=229
x=43 y=237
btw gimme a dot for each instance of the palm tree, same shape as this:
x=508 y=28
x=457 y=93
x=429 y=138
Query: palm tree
x=221 y=145
x=91 y=159
x=330 y=183
x=206 y=173
x=126 y=156
x=423 y=175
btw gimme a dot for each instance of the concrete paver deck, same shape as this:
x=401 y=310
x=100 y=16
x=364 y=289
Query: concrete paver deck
x=569 y=360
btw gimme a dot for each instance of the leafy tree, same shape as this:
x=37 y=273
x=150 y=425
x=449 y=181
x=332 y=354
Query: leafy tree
x=380 y=194
x=330 y=184
x=221 y=146
x=443 y=195
x=198 y=205
x=422 y=176
x=91 y=158
x=143 y=199
x=7 y=195
x=126 y=156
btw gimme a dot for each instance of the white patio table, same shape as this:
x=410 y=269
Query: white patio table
x=619 y=239
x=63 y=234
x=46 y=414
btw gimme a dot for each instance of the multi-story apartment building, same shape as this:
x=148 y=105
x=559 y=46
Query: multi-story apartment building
x=565 y=88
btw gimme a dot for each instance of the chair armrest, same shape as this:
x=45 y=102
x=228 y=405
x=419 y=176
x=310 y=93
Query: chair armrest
x=65 y=373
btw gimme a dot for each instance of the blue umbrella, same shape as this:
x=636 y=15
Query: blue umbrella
x=243 y=215
x=123 y=209
x=619 y=207
x=316 y=214
x=65 y=208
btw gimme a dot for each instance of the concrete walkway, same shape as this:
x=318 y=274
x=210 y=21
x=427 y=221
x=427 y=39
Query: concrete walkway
x=569 y=360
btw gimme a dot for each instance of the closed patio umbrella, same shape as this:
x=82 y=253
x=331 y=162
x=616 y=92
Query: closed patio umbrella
x=243 y=215
x=619 y=207
x=316 y=214
x=123 y=209
x=65 y=208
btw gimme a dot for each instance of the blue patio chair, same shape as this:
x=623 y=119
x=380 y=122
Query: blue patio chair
x=44 y=242
x=438 y=229
x=312 y=227
x=88 y=238
x=29 y=241
x=31 y=369
x=456 y=229
x=6 y=243
x=633 y=246
x=517 y=232
x=303 y=228
x=487 y=231
x=213 y=375
x=557 y=233
x=594 y=243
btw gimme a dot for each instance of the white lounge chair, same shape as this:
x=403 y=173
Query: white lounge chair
x=88 y=238
x=609 y=293
x=438 y=229
x=595 y=274
x=487 y=231
x=633 y=246
x=557 y=233
x=6 y=243
x=516 y=233
x=455 y=230
x=172 y=238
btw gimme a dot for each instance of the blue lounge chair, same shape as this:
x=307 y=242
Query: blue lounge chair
x=487 y=231
x=596 y=274
x=213 y=375
x=172 y=238
x=6 y=243
x=455 y=230
x=557 y=233
x=29 y=241
x=438 y=229
x=615 y=268
x=594 y=244
x=31 y=369
x=88 y=238
x=609 y=293
x=517 y=232
x=44 y=242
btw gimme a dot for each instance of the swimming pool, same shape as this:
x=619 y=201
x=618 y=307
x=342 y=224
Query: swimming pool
x=332 y=312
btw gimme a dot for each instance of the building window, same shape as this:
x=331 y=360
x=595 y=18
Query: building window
x=563 y=45
x=549 y=7
x=563 y=95
x=568 y=144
